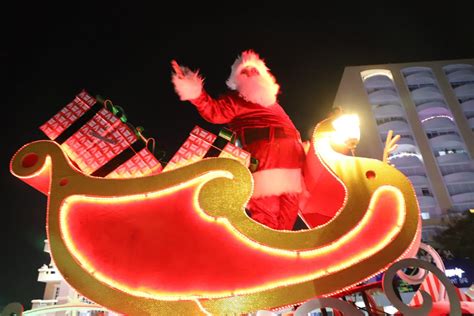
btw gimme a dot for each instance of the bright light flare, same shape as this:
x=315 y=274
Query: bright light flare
x=347 y=129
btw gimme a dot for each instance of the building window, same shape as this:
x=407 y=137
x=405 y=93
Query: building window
x=372 y=90
x=458 y=84
x=412 y=87
x=465 y=99
x=425 y=215
x=56 y=292
x=425 y=192
x=390 y=119
x=439 y=133
x=449 y=151
x=402 y=136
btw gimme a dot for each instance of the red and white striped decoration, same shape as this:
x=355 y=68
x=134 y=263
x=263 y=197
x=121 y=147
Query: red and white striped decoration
x=433 y=286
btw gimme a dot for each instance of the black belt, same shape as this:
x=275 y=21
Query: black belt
x=251 y=135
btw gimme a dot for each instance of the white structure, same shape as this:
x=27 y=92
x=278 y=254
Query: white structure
x=431 y=106
x=59 y=298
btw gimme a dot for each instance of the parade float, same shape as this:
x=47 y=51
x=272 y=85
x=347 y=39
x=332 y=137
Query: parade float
x=139 y=236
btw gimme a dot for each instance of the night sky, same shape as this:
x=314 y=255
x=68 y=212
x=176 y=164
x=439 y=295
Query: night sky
x=50 y=53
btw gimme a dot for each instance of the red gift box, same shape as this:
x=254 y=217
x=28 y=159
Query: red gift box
x=198 y=145
x=92 y=136
x=142 y=164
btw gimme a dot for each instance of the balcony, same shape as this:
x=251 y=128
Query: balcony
x=384 y=96
x=463 y=198
x=398 y=127
x=431 y=104
x=448 y=69
x=460 y=188
x=406 y=161
x=454 y=163
x=471 y=122
x=48 y=274
x=454 y=158
x=413 y=70
x=406 y=155
x=459 y=76
x=42 y=303
x=419 y=181
x=446 y=141
x=468 y=106
x=417 y=169
x=434 y=112
x=436 y=123
x=389 y=110
x=406 y=141
x=465 y=91
x=406 y=150
x=72 y=307
x=420 y=78
x=459 y=177
x=426 y=201
x=425 y=94
x=378 y=81
x=463 y=207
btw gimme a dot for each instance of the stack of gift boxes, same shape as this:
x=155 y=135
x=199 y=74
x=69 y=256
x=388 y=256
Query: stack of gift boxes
x=202 y=144
x=100 y=143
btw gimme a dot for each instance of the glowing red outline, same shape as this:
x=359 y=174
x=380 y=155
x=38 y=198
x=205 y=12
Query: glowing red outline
x=351 y=235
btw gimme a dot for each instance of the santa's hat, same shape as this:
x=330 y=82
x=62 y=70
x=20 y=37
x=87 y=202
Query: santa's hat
x=247 y=59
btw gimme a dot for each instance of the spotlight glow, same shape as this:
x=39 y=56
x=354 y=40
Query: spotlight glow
x=347 y=128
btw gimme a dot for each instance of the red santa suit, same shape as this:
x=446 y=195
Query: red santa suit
x=265 y=130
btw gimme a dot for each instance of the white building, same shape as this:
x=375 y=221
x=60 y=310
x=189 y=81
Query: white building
x=59 y=298
x=431 y=106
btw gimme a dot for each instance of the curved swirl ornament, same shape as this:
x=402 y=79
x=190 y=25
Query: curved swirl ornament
x=12 y=309
x=422 y=274
x=180 y=242
x=318 y=303
x=426 y=307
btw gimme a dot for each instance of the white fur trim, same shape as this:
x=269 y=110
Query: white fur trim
x=188 y=87
x=277 y=181
x=247 y=58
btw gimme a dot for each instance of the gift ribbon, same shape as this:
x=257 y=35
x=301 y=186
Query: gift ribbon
x=77 y=124
x=116 y=110
x=228 y=134
x=118 y=160
x=217 y=146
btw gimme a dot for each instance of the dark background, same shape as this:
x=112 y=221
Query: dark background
x=122 y=51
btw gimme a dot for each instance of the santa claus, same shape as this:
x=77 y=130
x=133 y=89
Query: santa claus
x=252 y=111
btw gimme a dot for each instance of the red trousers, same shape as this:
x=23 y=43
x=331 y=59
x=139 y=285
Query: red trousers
x=277 y=211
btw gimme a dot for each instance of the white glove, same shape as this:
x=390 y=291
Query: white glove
x=187 y=84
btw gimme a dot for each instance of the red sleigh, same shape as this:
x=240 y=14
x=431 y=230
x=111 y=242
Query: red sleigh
x=180 y=242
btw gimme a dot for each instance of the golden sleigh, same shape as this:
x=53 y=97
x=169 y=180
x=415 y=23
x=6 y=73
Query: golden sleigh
x=181 y=243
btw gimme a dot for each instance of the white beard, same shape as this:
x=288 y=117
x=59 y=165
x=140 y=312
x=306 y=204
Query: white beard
x=257 y=89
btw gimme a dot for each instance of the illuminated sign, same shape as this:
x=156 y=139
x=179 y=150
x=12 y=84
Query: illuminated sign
x=460 y=272
x=454 y=272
